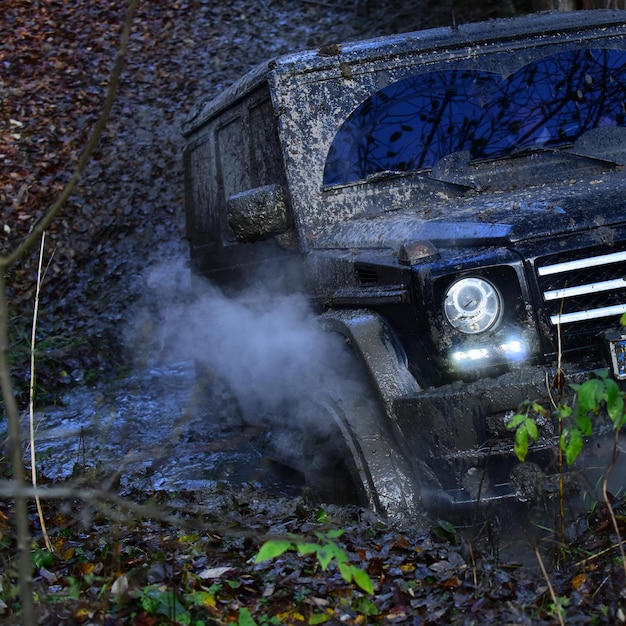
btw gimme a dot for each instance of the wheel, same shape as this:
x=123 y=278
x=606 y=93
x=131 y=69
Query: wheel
x=341 y=442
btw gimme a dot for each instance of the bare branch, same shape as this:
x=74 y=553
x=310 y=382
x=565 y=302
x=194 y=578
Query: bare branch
x=24 y=563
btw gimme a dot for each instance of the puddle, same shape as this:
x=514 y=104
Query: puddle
x=148 y=432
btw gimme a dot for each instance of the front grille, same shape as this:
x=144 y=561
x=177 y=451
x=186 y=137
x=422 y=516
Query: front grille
x=583 y=291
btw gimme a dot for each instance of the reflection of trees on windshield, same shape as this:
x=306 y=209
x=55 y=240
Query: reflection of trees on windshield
x=413 y=123
x=409 y=124
x=551 y=102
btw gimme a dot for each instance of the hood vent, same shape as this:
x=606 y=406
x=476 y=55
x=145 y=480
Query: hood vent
x=367 y=275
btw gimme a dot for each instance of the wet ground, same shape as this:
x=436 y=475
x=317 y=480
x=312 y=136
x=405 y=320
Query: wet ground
x=146 y=432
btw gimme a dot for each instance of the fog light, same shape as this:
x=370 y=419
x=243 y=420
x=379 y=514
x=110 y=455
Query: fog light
x=513 y=350
x=463 y=356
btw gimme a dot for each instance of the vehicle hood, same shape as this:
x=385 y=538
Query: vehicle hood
x=489 y=219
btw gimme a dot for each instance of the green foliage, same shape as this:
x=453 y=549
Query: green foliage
x=326 y=552
x=245 y=618
x=160 y=600
x=525 y=428
x=446 y=531
x=42 y=558
x=597 y=393
x=557 y=609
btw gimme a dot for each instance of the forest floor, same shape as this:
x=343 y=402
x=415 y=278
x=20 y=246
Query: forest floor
x=188 y=557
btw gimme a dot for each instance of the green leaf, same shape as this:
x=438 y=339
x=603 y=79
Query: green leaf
x=365 y=606
x=318 y=618
x=571 y=444
x=531 y=428
x=564 y=411
x=346 y=571
x=620 y=419
x=590 y=396
x=335 y=534
x=447 y=526
x=245 y=618
x=584 y=423
x=329 y=552
x=611 y=390
x=614 y=402
x=42 y=558
x=273 y=548
x=362 y=579
x=324 y=557
x=515 y=421
x=520 y=445
x=304 y=547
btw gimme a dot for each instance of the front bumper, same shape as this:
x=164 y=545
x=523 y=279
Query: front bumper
x=459 y=432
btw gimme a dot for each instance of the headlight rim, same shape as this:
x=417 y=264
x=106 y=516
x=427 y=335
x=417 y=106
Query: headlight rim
x=486 y=315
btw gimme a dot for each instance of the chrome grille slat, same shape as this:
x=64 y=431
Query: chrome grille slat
x=580 y=290
x=583 y=316
x=570 y=266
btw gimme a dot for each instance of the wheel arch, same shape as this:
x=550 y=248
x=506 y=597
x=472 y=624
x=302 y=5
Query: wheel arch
x=389 y=475
x=378 y=348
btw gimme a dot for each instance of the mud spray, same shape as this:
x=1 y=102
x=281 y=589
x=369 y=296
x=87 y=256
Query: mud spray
x=262 y=342
x=264 y=354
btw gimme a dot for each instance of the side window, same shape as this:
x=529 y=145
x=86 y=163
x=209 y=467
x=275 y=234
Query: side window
x=202 y=201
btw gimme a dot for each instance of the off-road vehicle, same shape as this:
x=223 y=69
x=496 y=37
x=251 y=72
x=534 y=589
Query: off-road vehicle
x=457 y=198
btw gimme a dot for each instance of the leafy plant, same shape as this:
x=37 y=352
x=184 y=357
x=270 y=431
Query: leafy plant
x=599 y=392
x=446 y=531
x=326 y=552
x=525 y=428
x=160 y=600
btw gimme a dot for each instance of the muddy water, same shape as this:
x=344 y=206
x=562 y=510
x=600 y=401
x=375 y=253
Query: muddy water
x=149 y=432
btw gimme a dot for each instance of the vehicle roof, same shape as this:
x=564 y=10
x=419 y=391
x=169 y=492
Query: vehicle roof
x=441 y=39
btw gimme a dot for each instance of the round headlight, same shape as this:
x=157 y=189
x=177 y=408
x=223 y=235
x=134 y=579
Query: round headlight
x=472 y=305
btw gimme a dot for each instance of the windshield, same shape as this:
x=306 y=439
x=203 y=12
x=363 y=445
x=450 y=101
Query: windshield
x=411 y=124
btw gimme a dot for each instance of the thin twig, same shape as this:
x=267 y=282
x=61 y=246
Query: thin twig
x=553 y=595
x=31 y=402
x=597 y=555
x=605 y=495
x=474 y=569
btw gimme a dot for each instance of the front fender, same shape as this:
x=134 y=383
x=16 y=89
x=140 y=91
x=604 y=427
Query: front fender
x=370 y=336
x=376 y=438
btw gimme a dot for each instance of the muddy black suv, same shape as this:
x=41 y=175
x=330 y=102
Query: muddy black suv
x=457 y=199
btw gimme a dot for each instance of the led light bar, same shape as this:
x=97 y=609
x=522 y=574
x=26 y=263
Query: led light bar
x=513 y=350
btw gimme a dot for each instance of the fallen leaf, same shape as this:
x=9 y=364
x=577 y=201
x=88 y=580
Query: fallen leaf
x=120 y=586
x=213 y=572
